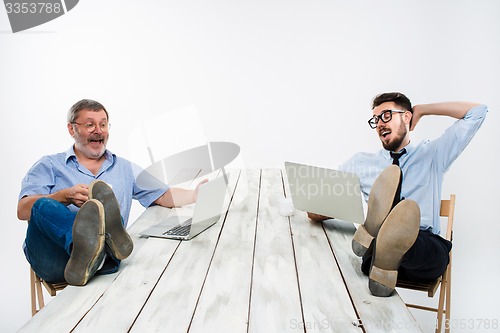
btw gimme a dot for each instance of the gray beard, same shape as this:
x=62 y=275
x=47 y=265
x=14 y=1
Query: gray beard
x=88 y=153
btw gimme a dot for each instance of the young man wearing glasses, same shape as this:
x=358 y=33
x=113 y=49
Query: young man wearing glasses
x=403 y=184
x=78 y=202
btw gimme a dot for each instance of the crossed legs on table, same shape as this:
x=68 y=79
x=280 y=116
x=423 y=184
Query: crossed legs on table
x=390 y=241
x=50 y=238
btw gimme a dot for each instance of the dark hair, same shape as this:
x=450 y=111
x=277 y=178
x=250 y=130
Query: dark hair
x=396 y=97
x=84 y=104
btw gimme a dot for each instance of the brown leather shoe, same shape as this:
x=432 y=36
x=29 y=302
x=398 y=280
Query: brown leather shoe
x=396 y=236
x=379 y=205
x=88 y=244
x=117 y=238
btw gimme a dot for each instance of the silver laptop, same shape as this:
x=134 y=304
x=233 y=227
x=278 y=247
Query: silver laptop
x=207 y=211
x=332 y=193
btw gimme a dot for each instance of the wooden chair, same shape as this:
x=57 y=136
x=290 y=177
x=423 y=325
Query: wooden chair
x=37 y=300
x=444 y=282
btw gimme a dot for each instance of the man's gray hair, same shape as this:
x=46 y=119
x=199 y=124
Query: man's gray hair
x=85 y=104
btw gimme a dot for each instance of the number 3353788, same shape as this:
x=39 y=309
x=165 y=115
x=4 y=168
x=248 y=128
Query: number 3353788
x=33 y=8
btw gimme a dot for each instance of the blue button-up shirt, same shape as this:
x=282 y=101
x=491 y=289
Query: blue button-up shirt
x=423 y=166
x=53 y=173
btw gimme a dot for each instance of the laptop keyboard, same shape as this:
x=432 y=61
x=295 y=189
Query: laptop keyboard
x=180 y=230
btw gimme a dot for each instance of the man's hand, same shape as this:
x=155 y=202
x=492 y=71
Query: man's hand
x=77 y=195
x=197 y=189
x=178 y=197
x=317 y=217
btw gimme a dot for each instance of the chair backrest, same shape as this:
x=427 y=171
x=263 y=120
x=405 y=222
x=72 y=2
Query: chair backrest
x=448 y=210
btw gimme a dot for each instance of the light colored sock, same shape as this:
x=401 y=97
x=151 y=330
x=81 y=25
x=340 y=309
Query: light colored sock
x=102 y=262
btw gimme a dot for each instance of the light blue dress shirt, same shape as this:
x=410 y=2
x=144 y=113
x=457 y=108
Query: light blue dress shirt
x=59 y=171
x=423 y=166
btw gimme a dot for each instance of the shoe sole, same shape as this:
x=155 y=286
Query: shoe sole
x=117 y=238
x=379 y=205
x=88 y=244
x=396 y=236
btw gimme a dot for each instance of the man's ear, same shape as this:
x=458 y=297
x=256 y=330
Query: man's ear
x=71 y=129
x=408 y=117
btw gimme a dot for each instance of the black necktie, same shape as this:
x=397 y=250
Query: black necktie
x=395 y=161
x=397 y=156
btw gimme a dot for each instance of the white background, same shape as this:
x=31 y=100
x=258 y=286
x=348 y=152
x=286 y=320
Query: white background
x=286 y=80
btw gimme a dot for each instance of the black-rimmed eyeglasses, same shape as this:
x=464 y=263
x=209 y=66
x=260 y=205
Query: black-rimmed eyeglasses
x=385 y=116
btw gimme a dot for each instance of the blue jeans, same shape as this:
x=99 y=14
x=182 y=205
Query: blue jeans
x=49 y=241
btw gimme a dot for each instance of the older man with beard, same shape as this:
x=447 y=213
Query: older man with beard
x=402 y=184
x=78 y=202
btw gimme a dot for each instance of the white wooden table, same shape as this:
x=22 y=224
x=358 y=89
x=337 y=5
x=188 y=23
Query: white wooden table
x=253 y=271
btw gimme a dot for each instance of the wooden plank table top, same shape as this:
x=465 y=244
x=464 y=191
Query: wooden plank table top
x=253 y=271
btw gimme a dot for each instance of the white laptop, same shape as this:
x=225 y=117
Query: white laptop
x=207 y=211
x=327 y=192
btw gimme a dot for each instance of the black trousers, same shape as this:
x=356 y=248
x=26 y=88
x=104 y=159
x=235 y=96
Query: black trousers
x=425 y=261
